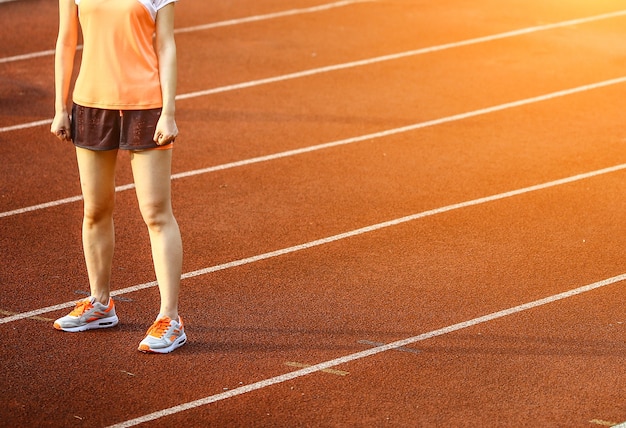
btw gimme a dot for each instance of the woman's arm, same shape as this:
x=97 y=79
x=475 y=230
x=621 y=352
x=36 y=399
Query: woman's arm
x=165 y=45
x=63 y=66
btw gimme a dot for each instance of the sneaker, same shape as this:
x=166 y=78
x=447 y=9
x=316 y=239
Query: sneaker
x=164 y=336
x=88 y=314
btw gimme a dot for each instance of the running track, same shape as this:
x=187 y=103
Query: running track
x=395 y=213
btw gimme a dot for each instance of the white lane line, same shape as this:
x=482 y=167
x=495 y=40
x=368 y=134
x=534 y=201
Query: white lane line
x=236 y=21
x=338 y=237
x=352 y=140
x=365 y=354
x=274 y=15
x=360 y=63
x=403 y=129
x=27 y=56
x=26 y=125
x=58 y=202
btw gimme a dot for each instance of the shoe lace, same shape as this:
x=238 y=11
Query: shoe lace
x=159 y=327
x=81 y=307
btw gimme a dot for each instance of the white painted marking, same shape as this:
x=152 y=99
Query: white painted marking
x=602 y=422
x=57 y=202
x=27 y=56
x=26 y=125
x=338 y=237
x=404 y=129
x=42 y=206
x=364 y=354
x=281 y=14
x=352 y=140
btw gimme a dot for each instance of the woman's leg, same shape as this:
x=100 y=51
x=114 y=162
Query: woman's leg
x=152 y=174
x=97 y=179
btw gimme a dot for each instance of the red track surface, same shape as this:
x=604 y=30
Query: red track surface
x=255 y=323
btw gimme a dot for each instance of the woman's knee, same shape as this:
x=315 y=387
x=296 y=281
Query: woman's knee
x=156 y=215
x=94 y=213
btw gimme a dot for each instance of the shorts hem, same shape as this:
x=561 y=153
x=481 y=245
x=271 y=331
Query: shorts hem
x=95 y=148
x=139 y=149
x=168 y=146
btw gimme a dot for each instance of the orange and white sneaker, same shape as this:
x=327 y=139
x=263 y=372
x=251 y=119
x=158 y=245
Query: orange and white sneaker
x=164 y=336
x=88 y=314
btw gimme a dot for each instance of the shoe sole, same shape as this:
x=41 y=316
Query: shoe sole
x=102 y=323
x=175 y=345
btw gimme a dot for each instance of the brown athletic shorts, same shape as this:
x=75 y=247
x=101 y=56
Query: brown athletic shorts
x=100 y=129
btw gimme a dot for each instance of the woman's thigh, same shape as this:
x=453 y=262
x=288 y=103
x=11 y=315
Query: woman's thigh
x=97 y=178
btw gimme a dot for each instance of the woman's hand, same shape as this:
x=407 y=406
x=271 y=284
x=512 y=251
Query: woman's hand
x=61 y=127
x=166 y=130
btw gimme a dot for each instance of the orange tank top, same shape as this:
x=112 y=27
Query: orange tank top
x=119 y=67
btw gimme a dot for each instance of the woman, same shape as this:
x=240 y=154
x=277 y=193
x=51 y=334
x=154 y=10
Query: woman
x=123 y=99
